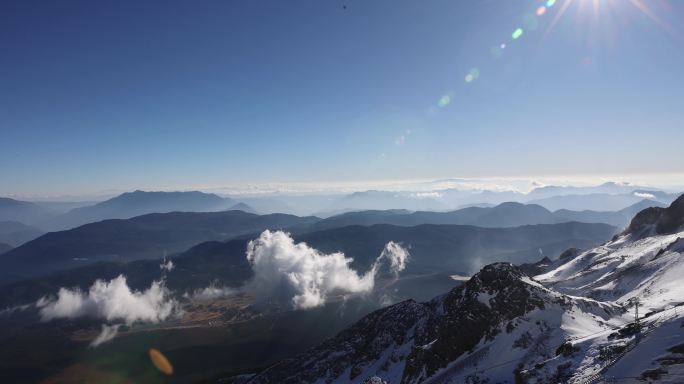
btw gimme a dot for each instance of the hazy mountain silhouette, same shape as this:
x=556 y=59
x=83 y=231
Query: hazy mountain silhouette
x=593 y=201
x=147 y=236
x=457 y=247
x=385 y=200
x=611 y=187
x=242 y=207
x=503 y=215
x=433 y=248
x=131 y=204
x=619 y=218
x=23 y=211
x=15 y=233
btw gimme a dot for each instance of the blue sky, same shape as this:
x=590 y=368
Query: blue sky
x=174 y=94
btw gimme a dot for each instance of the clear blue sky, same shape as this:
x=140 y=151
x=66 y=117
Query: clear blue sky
x=143 y=94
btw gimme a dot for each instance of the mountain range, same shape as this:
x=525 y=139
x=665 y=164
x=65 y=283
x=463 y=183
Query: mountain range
x=152 y=235
x=434 y=249
x=55 y=215
x=508 y=214
x=571 y=323
x=560 y=318
x=139 y=203
x=146 y=236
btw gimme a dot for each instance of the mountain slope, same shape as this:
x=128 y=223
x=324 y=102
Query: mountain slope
x=499 y=309
x=644 y=261
x=5 y=248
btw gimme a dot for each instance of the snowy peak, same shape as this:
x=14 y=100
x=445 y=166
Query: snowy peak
x=413 y=342
x=474 y=312
x=649 y=268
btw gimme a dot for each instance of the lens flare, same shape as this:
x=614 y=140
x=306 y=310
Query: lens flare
x=160 y=362
x=517 y=33
x=495 y=51
x=610 y=9
x=530 y=22
x=444 y=101
x=472 y=75
x=599 y=16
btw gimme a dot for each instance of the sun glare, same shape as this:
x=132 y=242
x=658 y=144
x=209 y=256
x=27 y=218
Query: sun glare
x=601 y=12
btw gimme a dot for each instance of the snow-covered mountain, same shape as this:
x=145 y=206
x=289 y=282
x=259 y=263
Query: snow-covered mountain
x=572 y=323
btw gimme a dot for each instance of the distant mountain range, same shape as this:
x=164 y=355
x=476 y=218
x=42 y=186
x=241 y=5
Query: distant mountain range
x=138 y=203
x=433 y=248
x=387 y=200
x=147 y=236
x=53 y=216
x=503 y=215
x=610 y=188
x=609 y=196
x=24 y=211
x=457 y=247
x=499 y=315
x=15 y=233
x=64 y=215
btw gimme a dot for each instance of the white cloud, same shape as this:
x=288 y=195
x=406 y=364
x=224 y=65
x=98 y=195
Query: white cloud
x=211 y=292
x=396 y=254
x=108 y=333
x=427 y=195
x=166 y=265
x=111 y=301
x=304 y=277
x=644 y=195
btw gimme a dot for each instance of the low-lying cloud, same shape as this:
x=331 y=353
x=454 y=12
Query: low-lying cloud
x=285 y=272
x=644 y=195
x=211 y=292
x=112 y=301
x=166 y=265
x=108 y=333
